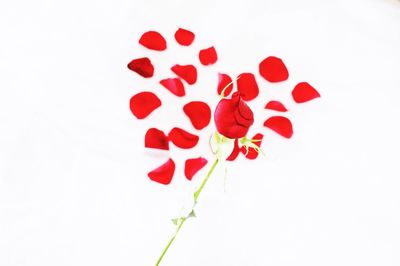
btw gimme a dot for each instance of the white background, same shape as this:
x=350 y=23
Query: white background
x=73 y=168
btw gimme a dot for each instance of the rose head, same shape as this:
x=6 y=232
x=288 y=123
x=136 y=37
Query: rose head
x=233 y=117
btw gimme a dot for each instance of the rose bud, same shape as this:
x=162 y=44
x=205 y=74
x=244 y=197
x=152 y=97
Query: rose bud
x=233 y=117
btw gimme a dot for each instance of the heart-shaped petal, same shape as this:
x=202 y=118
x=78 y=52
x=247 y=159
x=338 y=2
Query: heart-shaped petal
x=164 y=173
x=247 y=86
x=182 y=138
x=143 y=104
x=186 y=72
x=273 y=69
x=153 y=40
x=156 y=139
x=224 y=82
x=208 y=56
x=276 y=106
x=304 y=92
x=142 y=66
x=280 y=125
x=199 y=114
x=192 y=166
x=184 y=37
x=174 y=85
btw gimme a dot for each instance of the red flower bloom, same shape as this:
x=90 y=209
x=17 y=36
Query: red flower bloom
x=233 y=117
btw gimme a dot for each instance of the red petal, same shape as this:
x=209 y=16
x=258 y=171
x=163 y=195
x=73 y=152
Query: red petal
x=142 y=66
x=280 y=125
x=186 y=72
x=143 y=103
x=199 y=114
x=164 y=173
x=208 y=56
x=304 y=92
x=182 y=138
x=273 y=69
x=235 y=151
x=174 y=85
x=156 y=139
x=276 y=105
x=252 y=153
x=247 y=86
x=153 y=40
x=184 y=37
x=192 y=166
x=223 y=81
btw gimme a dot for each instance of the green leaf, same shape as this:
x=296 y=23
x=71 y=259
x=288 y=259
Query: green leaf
x=192 y=214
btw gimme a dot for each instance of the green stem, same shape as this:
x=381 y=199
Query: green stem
x=183 y=219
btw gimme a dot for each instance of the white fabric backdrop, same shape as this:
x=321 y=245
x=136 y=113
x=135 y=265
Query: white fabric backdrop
x=73 y=184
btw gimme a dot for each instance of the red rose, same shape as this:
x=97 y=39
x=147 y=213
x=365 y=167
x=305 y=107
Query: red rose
x=233 y=117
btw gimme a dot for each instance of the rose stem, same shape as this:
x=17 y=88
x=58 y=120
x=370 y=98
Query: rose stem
x=183 y=219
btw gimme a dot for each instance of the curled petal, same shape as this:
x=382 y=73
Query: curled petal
x=280 y=125
x=276 y=105
x=247 y=86
x=142 y=66
x=174 y=85
x=304 y=92
x=273 y=69
x=143 y=103
x=235 y=151
x=233 y=117
x=186 y=72
x=164 y=173
x=153 y=40
x=192 y=166
x=184 y=37
x=251 y=153
x=224 y=82
x=182 y=138
x=199 y=114
x=208 y=56
x=156 y=139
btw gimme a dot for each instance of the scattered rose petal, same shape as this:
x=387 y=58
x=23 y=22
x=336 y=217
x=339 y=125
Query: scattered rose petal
x=304 y=92
x=153 y=40
x=251 y=152
x=186 y=72
x=184 y=37
x=164 y=173
x=276 y=105
x=199 y=114
x=208 y=56
x=280 y=125
x=247 y=86
x=235 y=151
x=156 y=139
x=143 y=103
x=273 y=69
x=182 y=138
x=174 y=85
x=142 y=66
x=192 y=166
x=223 y=81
